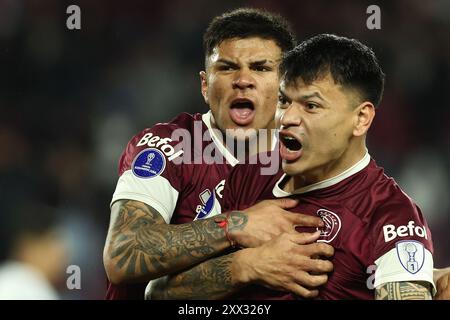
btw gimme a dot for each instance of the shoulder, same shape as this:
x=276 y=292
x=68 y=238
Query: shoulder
x=378 y=201
x=151 y=169
x=401 y=240
x=375 y=194
x=183 y=121
x=161 y=139
x=393 y=201
x=395 y=215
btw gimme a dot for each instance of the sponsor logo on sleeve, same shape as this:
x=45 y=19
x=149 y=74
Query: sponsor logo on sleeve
x=149 y=163
x=332 y=225
x=163 y=144
x=390 y=232
x=411 y=254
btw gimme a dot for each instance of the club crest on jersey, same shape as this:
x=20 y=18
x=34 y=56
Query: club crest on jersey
x=207 y=199
x=149 y=163
x=332 y=225
x=411 y=254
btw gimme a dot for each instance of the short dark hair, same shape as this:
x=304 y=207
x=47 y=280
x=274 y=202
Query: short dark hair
x=246 y=23
x=351 y=64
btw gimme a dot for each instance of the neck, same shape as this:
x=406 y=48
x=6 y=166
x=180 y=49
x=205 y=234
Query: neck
x=247 y=146
x=327 y=171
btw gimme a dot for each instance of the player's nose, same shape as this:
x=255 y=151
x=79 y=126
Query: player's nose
x=243 y=79
x=290 y=117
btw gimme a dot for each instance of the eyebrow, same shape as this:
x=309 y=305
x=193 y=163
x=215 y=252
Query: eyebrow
x=312 y=95
x=315 y=94
x=281 y=92
x=228 y=62
x=252 y=63
x=260 y=62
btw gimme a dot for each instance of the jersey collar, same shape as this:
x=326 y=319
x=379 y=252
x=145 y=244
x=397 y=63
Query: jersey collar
x=360 y=165
x=207 y=120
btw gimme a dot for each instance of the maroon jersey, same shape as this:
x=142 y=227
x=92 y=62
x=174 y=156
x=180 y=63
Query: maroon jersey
x=178 y=168
x=378 y=232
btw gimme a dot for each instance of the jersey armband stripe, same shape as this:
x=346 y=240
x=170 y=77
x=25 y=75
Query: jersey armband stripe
x=157 y=192
x=398 y=265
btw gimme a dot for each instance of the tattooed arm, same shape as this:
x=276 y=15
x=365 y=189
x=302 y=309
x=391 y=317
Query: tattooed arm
x=140 y=246
x=414 y=290
x=209 y=280
x=281 y=264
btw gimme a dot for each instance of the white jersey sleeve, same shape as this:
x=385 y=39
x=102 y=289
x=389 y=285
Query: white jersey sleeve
x=148 y=173
x=402 y=243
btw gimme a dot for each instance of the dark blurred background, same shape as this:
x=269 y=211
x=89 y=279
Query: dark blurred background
x=71 y=99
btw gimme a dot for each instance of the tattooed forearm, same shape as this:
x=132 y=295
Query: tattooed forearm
x=403 y=291
x=208 y=280
x=141 y=246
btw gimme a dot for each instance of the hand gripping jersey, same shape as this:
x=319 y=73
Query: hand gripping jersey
x=183 y=182
x=378 y=233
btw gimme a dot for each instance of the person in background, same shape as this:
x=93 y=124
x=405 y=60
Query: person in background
x=33 y=256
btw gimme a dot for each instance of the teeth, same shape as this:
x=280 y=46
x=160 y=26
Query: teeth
x=291 y=144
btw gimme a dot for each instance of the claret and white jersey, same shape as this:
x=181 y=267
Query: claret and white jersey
x=154 y=171
x=182 y=182
x=379 y=234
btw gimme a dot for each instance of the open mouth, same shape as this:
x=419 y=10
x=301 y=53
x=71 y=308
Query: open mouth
x=242 y=104
x=291 y=148
x=242 y=111
x=290 y=142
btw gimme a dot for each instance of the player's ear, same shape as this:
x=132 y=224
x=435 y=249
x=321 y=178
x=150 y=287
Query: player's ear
x=204 y=85
x=364 y=115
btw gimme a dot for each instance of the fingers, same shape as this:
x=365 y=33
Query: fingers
x=285 y=203
x=443 y=288
x=307 y=253
x=315 y=266
x=304 y=237
x=446 y=291
x=308 y=245
x=303 y=220
x=311 y=281
x=318 y=266
x=303 y=292
x=438 y=273
x=306 y=284
x=317 y=249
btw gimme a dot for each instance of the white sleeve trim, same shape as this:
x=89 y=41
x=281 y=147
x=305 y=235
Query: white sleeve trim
x=390 y=269
x=157 y=192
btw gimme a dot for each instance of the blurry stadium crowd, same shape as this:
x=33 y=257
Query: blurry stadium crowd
x=70 y=100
